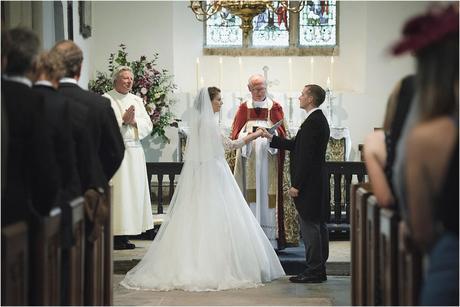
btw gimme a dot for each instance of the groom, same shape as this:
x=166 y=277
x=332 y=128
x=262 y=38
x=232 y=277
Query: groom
x=308 y=151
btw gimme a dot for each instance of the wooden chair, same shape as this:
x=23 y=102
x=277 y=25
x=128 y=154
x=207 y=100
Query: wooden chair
x=358 y=241
x=410 y=268
x=372 y=264
x=77 y=254
x=15 y=264
x=388 y=251
x=45 y=278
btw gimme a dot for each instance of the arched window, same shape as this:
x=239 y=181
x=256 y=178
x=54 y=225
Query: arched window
x=312 y=31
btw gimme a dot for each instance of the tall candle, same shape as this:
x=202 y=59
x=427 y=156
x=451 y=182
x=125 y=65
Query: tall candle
x=220 y=73
x=240 y=64
x=332 y=72
x=328 y=83
x=312 y=67
x=201 y=82
x=197 y=74
x=290 y=76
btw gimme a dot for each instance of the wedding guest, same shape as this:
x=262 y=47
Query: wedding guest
x=101 y=121
x=132 y=210
x=431 y=170
x=32 y=181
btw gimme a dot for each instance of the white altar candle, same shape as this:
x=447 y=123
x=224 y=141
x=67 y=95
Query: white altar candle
x=197 y=74
x=220 y=73
x=240 y=64
x=290 y=76
x=201 y=82
x=328 y=83
x=312 y=66
x=332 y=72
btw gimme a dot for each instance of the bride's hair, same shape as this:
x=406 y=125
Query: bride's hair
x=213 y=91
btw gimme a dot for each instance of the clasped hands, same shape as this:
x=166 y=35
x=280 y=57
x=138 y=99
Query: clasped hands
x=293 y=192
x=129 y=117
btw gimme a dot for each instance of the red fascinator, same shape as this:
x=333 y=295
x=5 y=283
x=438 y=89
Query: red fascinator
x=425 y=30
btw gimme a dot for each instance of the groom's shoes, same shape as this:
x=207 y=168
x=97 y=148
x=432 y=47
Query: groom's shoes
x=122 y=242
x=308 y=278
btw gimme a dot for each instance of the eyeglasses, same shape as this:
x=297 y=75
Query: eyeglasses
x=258 y=90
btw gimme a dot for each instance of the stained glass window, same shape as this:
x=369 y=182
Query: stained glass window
x=223 y=30
x=314 y=26
x=318 y=24
x=270 y=29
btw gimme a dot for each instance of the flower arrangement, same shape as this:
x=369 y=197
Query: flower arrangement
x=154 y=87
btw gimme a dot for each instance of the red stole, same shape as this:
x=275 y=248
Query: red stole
x=244 y=114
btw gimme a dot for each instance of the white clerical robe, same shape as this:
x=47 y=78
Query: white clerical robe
x=132 y=210
x=260 y=159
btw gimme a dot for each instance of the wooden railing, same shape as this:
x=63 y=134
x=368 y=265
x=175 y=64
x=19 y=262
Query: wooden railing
x=386 y=267
x=341 y=173
x=339 y=177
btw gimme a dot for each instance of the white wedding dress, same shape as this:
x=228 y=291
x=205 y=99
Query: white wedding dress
x=210 y=240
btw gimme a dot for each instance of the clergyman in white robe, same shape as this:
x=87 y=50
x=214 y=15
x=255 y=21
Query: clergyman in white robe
x=132 y=211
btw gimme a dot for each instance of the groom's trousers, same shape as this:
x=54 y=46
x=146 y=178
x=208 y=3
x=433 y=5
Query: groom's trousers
x=316 y=240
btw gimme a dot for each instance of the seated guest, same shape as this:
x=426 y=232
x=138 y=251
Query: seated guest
x=379 y=147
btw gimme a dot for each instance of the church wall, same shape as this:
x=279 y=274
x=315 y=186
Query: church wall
x=363 y=75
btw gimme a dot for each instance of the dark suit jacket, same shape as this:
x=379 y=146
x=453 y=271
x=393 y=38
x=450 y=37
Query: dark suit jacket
x=103 y=127
x=32 y=179
x=307 y=158
x=58 y=116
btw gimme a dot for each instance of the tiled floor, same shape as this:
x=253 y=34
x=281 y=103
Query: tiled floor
x=336 y=291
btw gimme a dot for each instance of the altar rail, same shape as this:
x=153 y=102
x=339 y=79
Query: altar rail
x=338 y=175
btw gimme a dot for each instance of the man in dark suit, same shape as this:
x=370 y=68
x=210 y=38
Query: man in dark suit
x=101 y=120
x=32 y=181
x=307 y=156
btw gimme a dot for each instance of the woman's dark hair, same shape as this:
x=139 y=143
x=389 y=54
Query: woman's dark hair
x=317 y=92
x=437 y=71
x=213 y=91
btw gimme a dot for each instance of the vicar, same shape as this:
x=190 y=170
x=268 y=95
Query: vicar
x=132 y=211
x=259 y=168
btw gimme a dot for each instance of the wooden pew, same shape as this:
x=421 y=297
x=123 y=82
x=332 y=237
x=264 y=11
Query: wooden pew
x=108 y=252
x=388 y=251
x=96 y=216
x=45 y=281
x=15 y=264
x=77 y=254
x=372 y=264
x=358 y=240
x=409 y=268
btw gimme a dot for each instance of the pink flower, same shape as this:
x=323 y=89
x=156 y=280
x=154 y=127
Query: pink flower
x=143 y=91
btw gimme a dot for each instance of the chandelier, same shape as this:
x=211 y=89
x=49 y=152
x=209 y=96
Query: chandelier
x=245 y=9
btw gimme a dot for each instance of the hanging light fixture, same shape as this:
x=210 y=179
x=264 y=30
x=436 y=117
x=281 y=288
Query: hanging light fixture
x=245 y=9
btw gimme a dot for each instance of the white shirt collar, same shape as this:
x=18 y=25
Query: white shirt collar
x=259 y=104
x=44 y=83
x=68 y=80
x=19 y=79
x=311 y=111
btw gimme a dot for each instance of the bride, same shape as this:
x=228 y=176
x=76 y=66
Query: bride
x=209 y=240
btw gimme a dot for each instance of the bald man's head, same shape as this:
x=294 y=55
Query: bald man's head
x=72 y=57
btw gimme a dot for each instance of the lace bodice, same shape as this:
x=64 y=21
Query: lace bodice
x=230 y=144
